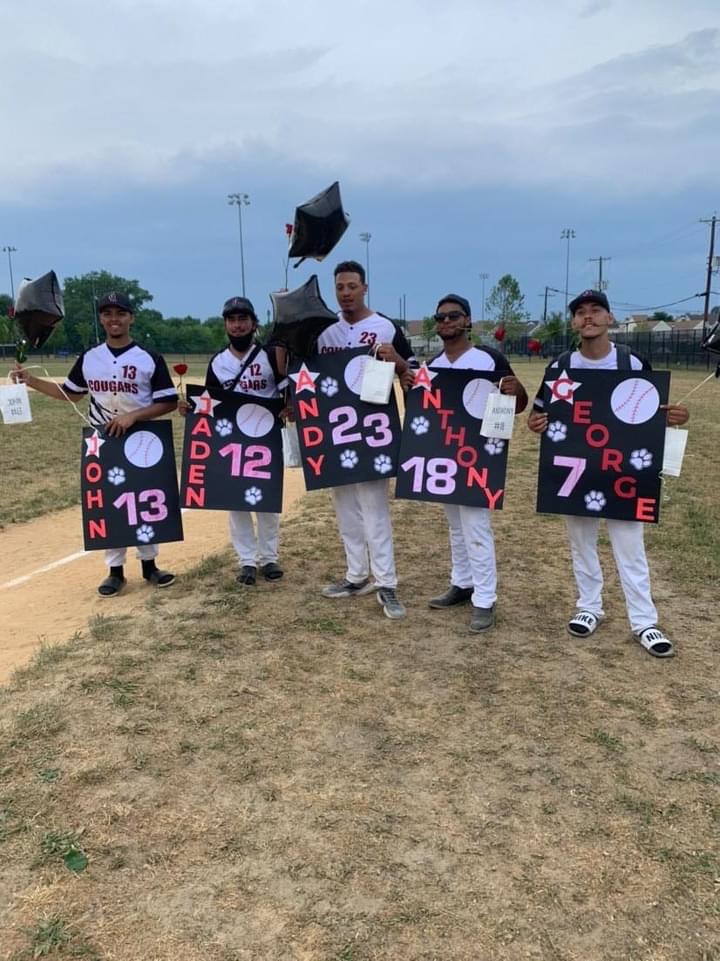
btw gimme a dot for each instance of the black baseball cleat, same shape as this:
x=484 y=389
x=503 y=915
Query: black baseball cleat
x=271 y=571
x=159 y=578
x=247 y=575
x=452 y=596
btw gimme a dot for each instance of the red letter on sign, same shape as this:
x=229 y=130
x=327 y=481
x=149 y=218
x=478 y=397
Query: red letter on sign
x=645 y=509
x=195 y=497
x=196 y=474
x=595 y=441
x=625 y=487
x=96 y=529
x=581 y=411
x=94 y=499
x=202 y=427
x=312 y=436
x=611 y=458
x=199 y=450
x=306 y=409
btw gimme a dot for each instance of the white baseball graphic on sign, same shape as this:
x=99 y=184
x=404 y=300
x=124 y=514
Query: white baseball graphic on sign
x=254 y=420
x=354 y=373
x=634 y=401
x=143 y=449
x=475 y=396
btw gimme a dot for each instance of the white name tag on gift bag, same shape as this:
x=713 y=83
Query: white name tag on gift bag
x=675 y=444
x=377 y=382
x=499 y=417
x=15 y=404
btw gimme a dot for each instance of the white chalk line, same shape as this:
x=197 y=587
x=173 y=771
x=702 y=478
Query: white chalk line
x=49 y=567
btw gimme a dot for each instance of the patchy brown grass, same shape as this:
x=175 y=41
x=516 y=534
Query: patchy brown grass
x=261 y=773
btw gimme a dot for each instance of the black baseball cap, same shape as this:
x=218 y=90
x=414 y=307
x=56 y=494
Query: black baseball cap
x=589 y=297
x=121 y=301
x=455 y=299
x=239 y=305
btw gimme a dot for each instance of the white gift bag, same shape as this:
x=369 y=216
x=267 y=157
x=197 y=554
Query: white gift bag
x=15 y=404
x=499 y=417
x=377 y=382
x=675 y=443
x=291 y=445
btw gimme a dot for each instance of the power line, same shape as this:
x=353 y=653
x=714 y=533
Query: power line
x=673 y=303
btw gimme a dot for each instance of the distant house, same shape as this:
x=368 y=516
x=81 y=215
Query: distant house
x=642 y=324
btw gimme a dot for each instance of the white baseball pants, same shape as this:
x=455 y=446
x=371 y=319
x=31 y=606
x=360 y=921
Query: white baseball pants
x=472 y=550
x=115 y=557
x=628 y=545
x=255 y=548
x=363 y=519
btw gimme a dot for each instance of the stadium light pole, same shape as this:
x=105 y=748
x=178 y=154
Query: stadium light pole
x=240 y=201
x=568 y=234
x=366 y=238
x=10 y=251
x=483 y=278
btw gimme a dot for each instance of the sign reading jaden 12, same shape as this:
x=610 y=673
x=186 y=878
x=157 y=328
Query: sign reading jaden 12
x=602 y=452
x=443 y=456
x=232 y=452
x=129 y=487
x=343 y=440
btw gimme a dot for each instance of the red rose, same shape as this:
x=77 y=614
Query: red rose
x=180 y=369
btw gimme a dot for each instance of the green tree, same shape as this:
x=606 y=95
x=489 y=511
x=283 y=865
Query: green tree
x=506 y=304
x=7 y=324
x=661 y=315
x=552 y=329
x=429 y=329
x=81 y=294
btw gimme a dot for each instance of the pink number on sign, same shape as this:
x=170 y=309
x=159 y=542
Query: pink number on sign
x=440 y=474
x=380 y=423
x=257 y=456
x=127 y=501
x=345 y=418
x=156 y=503
x=577 y=467
x=235 y=452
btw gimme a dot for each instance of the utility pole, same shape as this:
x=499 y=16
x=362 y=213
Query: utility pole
x=548 y=291
x=708 y=282
x=568 y=234
x=483 y=278
x=599 y=261
x=10 y=251
x=366 y=238
x=240 y=201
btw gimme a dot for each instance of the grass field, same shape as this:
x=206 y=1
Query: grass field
x=254 y=774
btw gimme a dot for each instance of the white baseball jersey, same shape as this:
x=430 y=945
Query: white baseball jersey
x=372 y=330
x=476 y=358
x=578 y=362
x=259 y=376
x=120 y=380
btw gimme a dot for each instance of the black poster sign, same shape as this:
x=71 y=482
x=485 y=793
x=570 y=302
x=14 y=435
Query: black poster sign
x=602 y=453
x=343 y=440
x=443 y=455
x=129 y=487
x=232 y=452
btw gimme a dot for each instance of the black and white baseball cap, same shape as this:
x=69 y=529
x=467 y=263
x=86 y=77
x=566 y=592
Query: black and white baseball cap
x=238 y=305
x=589 y=297
x=121 y=301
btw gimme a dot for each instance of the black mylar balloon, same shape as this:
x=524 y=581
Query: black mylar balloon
x=299 y=317
x=319 y=224
x=38 y=307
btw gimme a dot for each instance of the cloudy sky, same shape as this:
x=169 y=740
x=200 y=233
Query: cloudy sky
x=465 y=135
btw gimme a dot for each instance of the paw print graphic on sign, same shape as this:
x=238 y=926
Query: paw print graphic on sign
x=348 y=459
x=382 y=464
x=145 y=533
x=329 y=386
x=640 y=459
x=557 y=431
x=495 y=446
x=116 y=476
x=595 y=500
x=419 y=425
x=253 y=495
x=223 y=427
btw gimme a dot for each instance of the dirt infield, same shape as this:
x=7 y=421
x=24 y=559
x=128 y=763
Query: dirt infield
x=51 y=605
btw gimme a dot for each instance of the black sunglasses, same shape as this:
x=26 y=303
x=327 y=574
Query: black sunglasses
x=450 y=315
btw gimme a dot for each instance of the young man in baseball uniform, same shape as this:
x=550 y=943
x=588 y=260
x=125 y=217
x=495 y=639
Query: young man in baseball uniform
x=591 y=320
x=473 y=576
x=363 y=510
x=244 y=366
x=126 y=384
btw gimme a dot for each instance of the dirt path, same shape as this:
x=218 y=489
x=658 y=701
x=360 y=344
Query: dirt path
x=48 y=583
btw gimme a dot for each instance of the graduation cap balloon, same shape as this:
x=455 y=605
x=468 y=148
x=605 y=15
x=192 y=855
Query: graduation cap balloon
x=38 y=307
x=319 y=224
x=299 y=317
